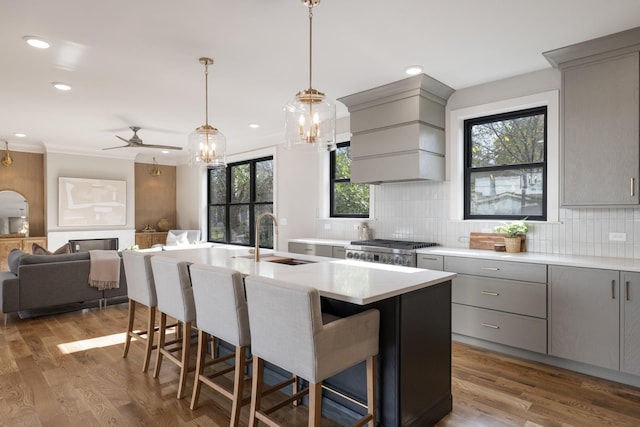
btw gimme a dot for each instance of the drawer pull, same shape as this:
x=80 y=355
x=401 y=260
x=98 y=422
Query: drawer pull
x=490 y=268
x=493 y=294
x=308 y=249
x=613 y=289
x=626 y=290
x=429 y=258
x=489 y=325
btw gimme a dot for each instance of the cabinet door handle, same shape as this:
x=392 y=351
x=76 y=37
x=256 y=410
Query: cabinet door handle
x=626 y=290
x=493 y=294
x=490 y=268
x=633 y=186
x=308 y=250
x=613 y=289
x=489 y=325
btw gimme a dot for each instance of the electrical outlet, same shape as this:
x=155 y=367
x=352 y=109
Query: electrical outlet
x=618 y=237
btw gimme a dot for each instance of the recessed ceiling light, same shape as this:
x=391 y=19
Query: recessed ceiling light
x=254 y=125
x=61 y=86
x=20 y=135
x=412 y=70
x=36 y=42
x=165 y=151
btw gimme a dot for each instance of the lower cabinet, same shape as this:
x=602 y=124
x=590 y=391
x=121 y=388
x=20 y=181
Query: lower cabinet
x=317 y=249
x=147 y=240
x=22 y=243
x=584 y=311
x=501 y=302
x=630 y=324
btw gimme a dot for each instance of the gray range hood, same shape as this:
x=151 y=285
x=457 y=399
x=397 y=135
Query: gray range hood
x=397 y=131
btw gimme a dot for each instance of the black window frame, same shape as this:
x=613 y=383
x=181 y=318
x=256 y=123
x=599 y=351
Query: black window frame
x=468 y=169
x=228 y=204
x=332 y=182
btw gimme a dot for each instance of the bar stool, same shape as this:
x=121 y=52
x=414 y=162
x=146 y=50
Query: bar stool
x=141 y=290
x=175 y=299
x=287 y=330
x=221 y=312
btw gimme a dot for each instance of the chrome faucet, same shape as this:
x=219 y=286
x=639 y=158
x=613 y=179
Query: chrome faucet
x=256 y=253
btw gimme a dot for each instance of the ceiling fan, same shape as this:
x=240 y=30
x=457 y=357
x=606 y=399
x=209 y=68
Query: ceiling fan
x=136 y=142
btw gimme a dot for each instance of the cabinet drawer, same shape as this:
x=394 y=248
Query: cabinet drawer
x=512 y=296
x=431 y=262
x=311 y=249
x=524 y=332
x=499 y=269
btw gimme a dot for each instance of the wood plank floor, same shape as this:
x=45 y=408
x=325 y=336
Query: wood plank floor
x=68 y=370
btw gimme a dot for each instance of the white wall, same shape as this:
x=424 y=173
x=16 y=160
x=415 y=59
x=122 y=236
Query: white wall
x=75 y=166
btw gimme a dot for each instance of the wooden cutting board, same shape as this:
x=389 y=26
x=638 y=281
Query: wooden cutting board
x=488 y=240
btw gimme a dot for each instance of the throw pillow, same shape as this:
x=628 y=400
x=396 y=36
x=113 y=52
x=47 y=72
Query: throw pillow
x=13 y=259
x=36 y=249
x=177 y=239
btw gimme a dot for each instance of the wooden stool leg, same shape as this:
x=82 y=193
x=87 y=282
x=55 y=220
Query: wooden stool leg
x=315 y=404
x=238 y=385
x=161 y=339
x=200 y=358
x=371 y=389
x=256 y=389
x=132 y=313
x=151 y=326
x=186 y=352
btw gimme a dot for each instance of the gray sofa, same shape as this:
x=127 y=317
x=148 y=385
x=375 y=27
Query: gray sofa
x=41 y=281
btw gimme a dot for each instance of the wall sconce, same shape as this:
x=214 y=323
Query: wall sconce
x=7 y=160
x=155 y=170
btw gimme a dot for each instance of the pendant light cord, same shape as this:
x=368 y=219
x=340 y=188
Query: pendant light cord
x=310 y=40
x=206 y=93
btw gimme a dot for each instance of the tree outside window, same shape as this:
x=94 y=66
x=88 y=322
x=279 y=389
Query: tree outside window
x=237 y=195
x=505 y=165
x=348 y=200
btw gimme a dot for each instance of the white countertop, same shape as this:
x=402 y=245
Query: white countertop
x=319 y=241
x=606 y=263
x=356 y=282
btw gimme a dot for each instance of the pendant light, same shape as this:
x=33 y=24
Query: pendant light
x=155 y=169
x=207 y=145
x=7 y=160
x=310 y=118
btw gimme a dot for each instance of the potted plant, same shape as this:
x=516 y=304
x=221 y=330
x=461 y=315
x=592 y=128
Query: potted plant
x=515 y=232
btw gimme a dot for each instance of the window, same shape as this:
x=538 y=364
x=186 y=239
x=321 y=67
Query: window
x=238 y=194
x=506 y=166
x=347 y=200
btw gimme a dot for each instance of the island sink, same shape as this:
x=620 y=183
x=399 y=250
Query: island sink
x=280 y=260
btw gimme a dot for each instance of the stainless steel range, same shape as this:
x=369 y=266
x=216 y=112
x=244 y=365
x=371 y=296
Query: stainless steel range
x=396 y=252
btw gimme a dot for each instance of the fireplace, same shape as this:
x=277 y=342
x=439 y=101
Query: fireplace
x=86 y=245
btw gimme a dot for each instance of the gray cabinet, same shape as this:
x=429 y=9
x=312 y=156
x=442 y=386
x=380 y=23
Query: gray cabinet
x=600 y=148
x=430 y=262
x=317 y=249
x=584 y=315
x=500 y=301
x=630 y=323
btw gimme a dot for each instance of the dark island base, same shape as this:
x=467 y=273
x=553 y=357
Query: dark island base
x=414 y=363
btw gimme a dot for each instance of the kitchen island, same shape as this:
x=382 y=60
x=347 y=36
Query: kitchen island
x=414 y=364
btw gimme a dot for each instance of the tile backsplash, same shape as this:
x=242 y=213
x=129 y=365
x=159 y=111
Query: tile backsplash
x=421 y=211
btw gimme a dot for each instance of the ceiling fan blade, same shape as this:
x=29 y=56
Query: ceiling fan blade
x=119 y=146
x=121 y=138
x=163 y=147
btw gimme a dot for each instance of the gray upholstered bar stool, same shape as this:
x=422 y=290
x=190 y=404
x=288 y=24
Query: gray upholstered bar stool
x=287 y=330
x=221 y=312
x=175 y=299
x=141 y=290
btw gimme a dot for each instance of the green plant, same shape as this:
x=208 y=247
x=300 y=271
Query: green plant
x=513 y=229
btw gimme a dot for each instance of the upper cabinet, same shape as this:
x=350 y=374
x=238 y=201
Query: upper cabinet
x=600 y=137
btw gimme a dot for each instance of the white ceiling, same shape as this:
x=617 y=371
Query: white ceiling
x=135 y=62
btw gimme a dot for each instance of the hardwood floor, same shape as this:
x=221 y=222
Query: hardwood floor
x=68 y=370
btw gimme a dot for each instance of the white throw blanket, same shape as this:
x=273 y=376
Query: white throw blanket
x=104 y=272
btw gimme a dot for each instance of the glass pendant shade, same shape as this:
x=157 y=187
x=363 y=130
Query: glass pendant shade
x=208 y=147
x=310 y=122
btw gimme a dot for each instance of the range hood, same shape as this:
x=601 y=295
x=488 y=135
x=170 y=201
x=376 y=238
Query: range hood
x=397 y=131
